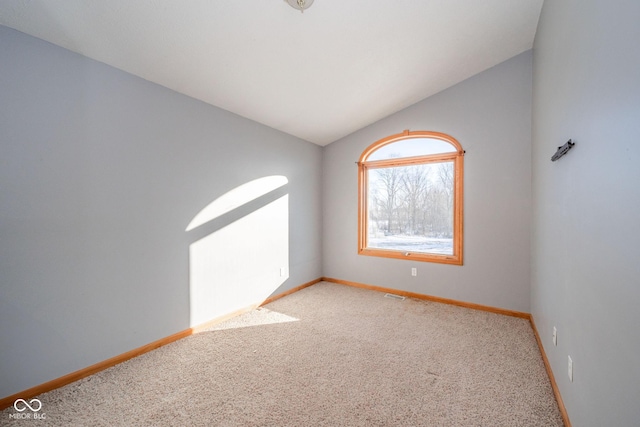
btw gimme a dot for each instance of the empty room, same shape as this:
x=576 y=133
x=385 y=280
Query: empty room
x=320 y=213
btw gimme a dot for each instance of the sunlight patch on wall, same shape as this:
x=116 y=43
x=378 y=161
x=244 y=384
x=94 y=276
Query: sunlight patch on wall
x=242 y=263
x=237 y=197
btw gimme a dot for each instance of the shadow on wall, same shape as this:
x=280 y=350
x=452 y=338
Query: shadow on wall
x=239 y=251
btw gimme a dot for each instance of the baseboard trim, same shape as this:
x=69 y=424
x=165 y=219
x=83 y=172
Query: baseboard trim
x=431 y=298
x=100 y=366
x=5 y=402
x=552 y=379
x=291 y=291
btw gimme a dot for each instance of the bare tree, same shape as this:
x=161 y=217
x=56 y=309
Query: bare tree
x=388 y=181
x=445 y=173
x=416 y=200
x=435 y=208
x=415 y=185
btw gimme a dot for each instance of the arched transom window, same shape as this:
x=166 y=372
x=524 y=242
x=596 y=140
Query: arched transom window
x=410 y=198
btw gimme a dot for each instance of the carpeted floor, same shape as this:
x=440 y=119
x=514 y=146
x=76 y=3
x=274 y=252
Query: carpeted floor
x=329 y=355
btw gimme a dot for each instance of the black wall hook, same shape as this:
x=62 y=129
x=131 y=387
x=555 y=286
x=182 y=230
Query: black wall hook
x=563 y=150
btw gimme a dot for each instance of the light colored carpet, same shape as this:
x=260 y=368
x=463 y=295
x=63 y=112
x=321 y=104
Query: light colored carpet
x=329 y=355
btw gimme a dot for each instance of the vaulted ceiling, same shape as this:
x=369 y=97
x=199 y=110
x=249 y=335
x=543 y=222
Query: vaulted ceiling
x=318 y=75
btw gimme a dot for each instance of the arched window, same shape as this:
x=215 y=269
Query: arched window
x=410 y=198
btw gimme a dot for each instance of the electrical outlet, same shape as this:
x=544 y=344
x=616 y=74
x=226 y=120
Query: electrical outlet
x=555 y=336
x=414 y=272
x=570 y=369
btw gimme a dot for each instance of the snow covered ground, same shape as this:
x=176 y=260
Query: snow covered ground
x=412 y=244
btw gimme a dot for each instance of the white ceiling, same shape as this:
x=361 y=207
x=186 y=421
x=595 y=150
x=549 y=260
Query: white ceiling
x=320 y=75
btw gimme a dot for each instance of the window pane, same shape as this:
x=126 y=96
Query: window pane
x=412 y=147
x=410 y=208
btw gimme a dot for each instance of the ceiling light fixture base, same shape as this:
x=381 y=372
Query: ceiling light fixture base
x=301 y=5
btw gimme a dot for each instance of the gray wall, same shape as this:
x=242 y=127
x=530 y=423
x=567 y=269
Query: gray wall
x=490 y=114
x=585 y=256
x=100 y=174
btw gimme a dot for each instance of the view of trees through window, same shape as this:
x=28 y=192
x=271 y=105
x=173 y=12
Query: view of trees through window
x=410 y=208
x=410 y=198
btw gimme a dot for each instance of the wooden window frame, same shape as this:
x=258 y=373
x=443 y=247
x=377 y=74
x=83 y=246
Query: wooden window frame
x=458 y=161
